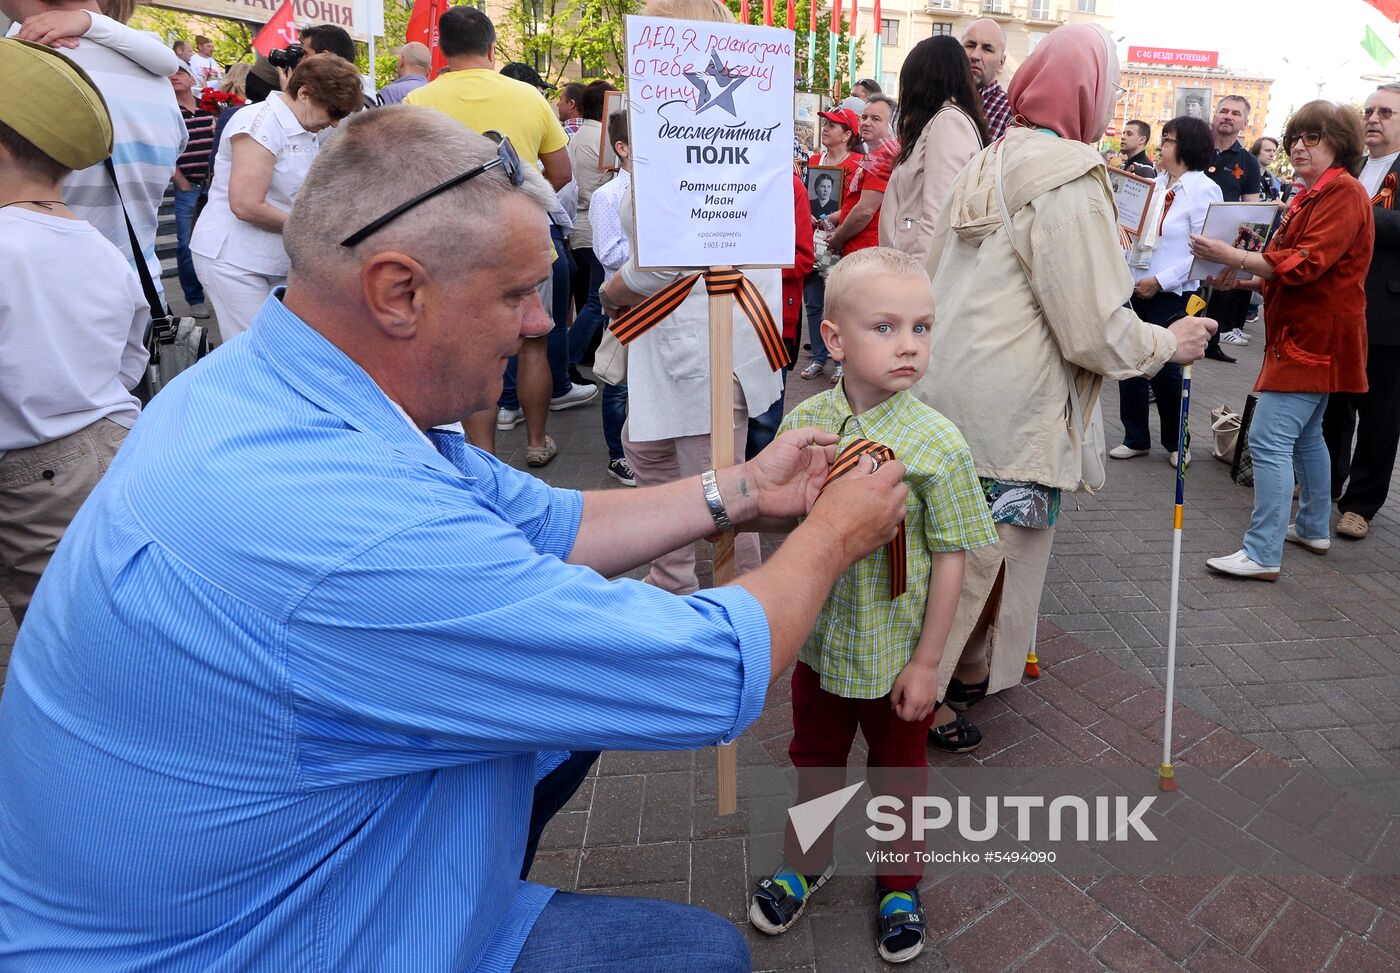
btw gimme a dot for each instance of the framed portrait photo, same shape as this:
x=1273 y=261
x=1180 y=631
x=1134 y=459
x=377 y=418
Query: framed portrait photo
x=826 y=187
x=613 y=101
x=1192 y=102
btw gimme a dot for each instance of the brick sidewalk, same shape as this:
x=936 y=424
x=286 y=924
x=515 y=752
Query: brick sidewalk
x=1302 y=674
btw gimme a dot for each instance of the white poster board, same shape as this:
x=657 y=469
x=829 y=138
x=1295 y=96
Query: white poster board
x=1133 y=196
x=1243 y=225
x=710 y=107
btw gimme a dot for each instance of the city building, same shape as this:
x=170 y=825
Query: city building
x=903 y=23
x=1161 y=84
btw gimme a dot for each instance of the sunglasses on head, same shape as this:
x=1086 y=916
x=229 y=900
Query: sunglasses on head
x=506 y=158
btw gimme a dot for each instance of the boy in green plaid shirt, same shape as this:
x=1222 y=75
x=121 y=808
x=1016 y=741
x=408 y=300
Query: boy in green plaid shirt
x=872 y=661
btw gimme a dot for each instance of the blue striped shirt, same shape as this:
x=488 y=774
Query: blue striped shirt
x=285 y=689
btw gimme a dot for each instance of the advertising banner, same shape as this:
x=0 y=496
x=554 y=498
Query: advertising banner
x=1169 y=55
x=710 y=107
x=339 y=12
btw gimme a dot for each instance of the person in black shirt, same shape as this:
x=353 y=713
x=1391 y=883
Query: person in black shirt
x=1236 y=172
x=1133 y=145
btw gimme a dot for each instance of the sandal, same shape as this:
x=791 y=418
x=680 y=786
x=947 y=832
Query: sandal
x=779 y=901
x=957 y=736
x=899 y=925
x=541 y=455
x=962 y=696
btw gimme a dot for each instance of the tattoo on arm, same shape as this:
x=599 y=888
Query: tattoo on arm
x=744 y=487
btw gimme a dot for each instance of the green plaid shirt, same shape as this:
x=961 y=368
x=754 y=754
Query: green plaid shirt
x=862 y=639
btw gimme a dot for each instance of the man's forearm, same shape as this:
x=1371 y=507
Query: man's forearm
x=622 y=529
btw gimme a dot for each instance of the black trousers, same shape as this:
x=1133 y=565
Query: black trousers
x=1132 y=392
x=1361 y=477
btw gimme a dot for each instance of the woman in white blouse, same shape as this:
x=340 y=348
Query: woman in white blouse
x=261 y=162
x=1160 y=262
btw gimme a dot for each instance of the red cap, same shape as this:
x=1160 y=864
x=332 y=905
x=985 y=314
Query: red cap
x=842 y=116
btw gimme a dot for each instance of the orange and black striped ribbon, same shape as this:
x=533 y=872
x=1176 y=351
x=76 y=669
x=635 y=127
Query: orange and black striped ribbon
x=1385 y=196
x=846 y=461
x=641 y=318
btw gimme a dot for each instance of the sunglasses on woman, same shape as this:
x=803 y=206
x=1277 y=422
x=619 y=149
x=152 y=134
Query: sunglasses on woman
x=1310 y=139
x=506 y=158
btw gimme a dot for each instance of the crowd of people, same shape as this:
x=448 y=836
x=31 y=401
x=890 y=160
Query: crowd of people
x=303 y=671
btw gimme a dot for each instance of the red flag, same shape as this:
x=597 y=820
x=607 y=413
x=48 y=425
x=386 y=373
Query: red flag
x=792 y=14
x=1391 y=8
x=812 y=17
x=876 y=16
x=743 y=11
x=278 y=32
x=836 y=17
x=855 y=16
x=767 y=13
x=423 y=28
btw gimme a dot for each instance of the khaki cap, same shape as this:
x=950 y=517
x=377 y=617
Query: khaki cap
x=54 y=105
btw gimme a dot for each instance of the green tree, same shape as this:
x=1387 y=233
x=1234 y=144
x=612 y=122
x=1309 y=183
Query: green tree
x=566 y=37
x=233 y=39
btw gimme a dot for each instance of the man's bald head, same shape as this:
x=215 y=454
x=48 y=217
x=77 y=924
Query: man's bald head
x=415 y=58
x=365 y=172
x=985 y=43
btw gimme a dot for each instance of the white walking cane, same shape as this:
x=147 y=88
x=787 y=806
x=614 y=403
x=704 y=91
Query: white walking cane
x=1166 y=777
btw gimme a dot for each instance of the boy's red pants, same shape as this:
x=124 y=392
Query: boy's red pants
x=824 y=726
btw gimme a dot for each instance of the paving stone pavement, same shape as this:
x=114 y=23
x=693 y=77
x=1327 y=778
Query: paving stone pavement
x=1281 y=680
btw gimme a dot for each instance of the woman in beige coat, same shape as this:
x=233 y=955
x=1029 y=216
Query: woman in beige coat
x=940 y=129
x=1029 y=315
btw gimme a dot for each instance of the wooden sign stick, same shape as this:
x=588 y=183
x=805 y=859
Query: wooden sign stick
x=722 y=455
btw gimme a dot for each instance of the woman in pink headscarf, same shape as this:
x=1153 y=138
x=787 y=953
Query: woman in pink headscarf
x=1031 y=289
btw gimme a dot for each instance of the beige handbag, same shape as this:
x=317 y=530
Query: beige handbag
x=610 y=360
x=1225 y=428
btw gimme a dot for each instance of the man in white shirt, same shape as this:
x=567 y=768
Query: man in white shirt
x=207 y=71
x=1361 y=476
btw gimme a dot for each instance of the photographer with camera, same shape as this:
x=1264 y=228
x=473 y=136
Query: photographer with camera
x=258 y=168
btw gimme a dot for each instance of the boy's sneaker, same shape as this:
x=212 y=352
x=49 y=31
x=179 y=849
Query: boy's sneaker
x=779 y=901
x=621 y=471
x=899 y=925
x=1236 y=337
x=507 y=419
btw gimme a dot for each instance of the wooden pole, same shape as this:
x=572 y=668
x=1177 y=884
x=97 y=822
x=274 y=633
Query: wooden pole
x=722 y=455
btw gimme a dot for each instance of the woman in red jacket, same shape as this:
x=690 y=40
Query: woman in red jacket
x=1313 y=276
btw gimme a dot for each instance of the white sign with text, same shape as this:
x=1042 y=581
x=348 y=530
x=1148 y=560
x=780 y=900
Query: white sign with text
x=710 y=107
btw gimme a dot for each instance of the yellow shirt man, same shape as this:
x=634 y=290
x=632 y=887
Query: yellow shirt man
x=483 y=100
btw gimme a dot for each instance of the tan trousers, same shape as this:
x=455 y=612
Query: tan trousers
x=667 y=460
x=41 y=488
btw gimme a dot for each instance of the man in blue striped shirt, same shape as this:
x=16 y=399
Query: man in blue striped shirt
x=290 y=682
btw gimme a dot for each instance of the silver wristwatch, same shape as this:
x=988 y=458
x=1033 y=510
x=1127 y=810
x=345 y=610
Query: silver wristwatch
x=710 y=484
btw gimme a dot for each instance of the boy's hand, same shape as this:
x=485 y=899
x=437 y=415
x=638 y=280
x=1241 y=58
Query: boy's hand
x=915 y=691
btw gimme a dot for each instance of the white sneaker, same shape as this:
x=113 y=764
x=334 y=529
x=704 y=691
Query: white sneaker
x=507 y=419
x=1317 y=545
x=576 y=396
x=1241 y=565
x=1236 y=337
x=836 y=375
x=812 y=370
x=1171 y=459
x=1124 y=451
